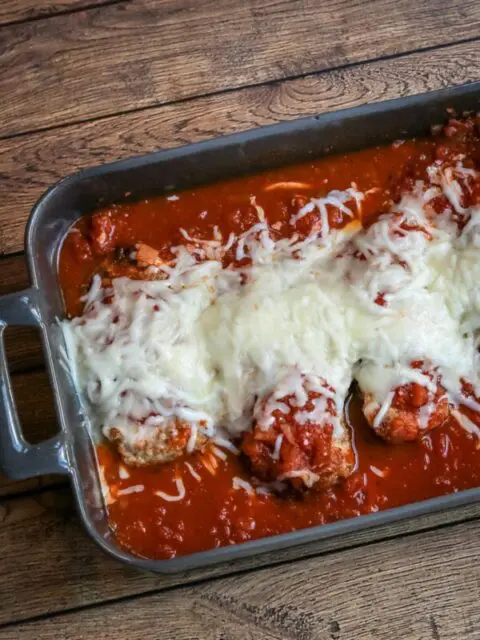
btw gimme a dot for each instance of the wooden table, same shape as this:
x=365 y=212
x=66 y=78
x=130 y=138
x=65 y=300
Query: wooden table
x=89 y=81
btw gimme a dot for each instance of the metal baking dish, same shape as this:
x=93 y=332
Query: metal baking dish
x=71 y=452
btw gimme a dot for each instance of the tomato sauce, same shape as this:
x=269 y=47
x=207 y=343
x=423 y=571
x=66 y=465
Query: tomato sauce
x=213 y=513
x=157 y=221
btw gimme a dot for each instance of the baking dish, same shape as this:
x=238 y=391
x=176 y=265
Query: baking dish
x=72 y=450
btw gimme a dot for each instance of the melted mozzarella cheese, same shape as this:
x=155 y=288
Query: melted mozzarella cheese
x=204 y=342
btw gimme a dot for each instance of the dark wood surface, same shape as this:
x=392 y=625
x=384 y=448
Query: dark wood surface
x=31 y=163
x=422 y=586
x=25 y=10
x=133 y=55
x=84 y=82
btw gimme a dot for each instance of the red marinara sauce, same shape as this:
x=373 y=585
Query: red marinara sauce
x=213 y=513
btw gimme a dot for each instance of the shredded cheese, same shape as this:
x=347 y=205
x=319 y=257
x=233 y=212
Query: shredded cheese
x=383 y=410
x=226 y=444
x=219 y=453
x=277 y=447
x=378 y=472
x=204 y=342
x=239 y=483
x=192 y=472
x=136 y=488
x=123 y=474
x=308 y=477
x=172 y=498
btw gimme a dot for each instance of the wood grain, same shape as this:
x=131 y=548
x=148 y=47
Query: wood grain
x=35 y=405
x=24 y=348
x=14 y=487
x=139 y=54
x=32 y=163
x=33 y=394
x=23 y=344
x=32 y=389
x=36 y=410
x=21 y=10
x=418 y=587
x=13 y=274
x=34 y=399
x=70 y=571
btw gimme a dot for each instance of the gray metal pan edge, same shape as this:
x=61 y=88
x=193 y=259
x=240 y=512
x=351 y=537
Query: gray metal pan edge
x=71 y=451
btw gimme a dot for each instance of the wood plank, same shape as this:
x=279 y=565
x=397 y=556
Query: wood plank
x=24 y=351
x=32 y=163
x=13 y=274
x=23 y=344
x=24 y=348
x=134 y=55
x=34 y=399
x=14 y=487
x=70 y=571
x=21 y=10
x=416 y=587
x=36 y=409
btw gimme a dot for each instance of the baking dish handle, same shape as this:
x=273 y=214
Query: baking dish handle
x=18 y=459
